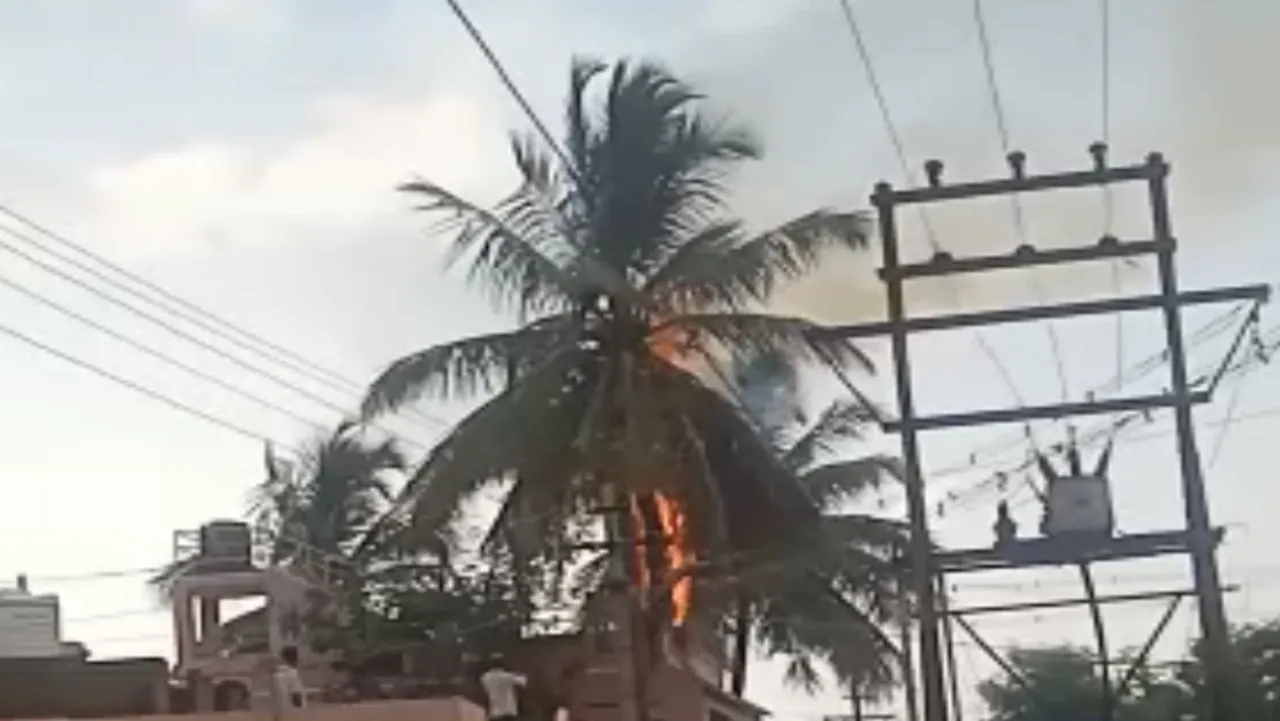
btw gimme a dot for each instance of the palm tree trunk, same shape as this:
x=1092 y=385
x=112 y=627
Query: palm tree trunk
x=741 y=647
x=524 y=604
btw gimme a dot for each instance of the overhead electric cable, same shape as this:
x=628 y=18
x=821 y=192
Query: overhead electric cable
x=1260 y=355
x=138 y=387
x=1015 y=200
x=183 y=309
x=175 y=330
x=157 y=354
x=899 y=148
x=510 y=84
x=1136 y=371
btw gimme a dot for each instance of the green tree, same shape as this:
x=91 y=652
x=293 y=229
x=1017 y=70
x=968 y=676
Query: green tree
x=1257 y=690
x=635 y=282
x=1062 y=684
x=825 y=600
x=333 y=498
x=328 y=511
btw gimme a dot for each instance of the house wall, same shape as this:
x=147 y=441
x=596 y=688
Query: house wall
x=601 y=691
x=73 y=688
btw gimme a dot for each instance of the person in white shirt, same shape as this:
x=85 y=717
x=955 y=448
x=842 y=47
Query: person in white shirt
x=290 y=693
x=500 y=686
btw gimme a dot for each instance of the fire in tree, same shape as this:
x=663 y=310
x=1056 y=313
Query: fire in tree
x=667 y=523
x=671 y=519
x=668 y=532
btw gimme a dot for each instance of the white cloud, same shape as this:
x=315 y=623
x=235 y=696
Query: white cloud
x=341 y=178
x=232 y=14
x=743 y=16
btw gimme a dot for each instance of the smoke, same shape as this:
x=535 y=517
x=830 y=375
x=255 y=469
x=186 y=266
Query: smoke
x=1227 y=94
x=1192 y=80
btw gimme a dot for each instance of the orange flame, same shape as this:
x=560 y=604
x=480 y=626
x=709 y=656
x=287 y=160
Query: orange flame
x=679 y=558
x=669 y=344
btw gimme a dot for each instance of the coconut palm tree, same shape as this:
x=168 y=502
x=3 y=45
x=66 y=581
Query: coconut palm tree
x=333 y=498
x=330 y=506
x=636 y=283
x=825 y=600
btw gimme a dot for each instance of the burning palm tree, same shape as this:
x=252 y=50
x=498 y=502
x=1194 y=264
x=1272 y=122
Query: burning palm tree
x=637 y=283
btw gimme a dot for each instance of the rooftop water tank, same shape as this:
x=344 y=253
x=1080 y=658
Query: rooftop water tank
x=228 y=543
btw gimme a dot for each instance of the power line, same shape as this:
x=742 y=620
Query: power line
x=171 y=328
x=1227 y=423
x=154 y=353
x=97 y=575
x=185 y=309
x=1015 y=199
x=964 y=497
x=1261 y=355
x=1103 y=432
x=1268 y=572
x=114 y=615
x=895 y=138
x=138 y=387
x=1134 y=372
x=509 y=83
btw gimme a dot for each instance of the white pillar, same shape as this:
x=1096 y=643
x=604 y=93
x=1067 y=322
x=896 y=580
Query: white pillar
x=210 y=622
x=184 y=631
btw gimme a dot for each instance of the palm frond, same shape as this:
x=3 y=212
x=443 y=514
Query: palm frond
x=717 y=268
x=758 y=334
x=658 y=166
x=832 y=484
x=464 y=368
x=840 y=422
x=533 y=519
x=759 y=499
x=512 y=263
x=708 y=271
x=865 y=541
x=577 y=122
x=519 y=428
x=809 y=622
x=163 y=580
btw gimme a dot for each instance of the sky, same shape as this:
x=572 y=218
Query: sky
x=243 y=154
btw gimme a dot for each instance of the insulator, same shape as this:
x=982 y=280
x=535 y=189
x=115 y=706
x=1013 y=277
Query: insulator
x=1099 y=152
x=933 y=170
x=1018 y=164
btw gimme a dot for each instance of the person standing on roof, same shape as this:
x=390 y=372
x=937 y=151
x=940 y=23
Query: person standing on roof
x=501 y=685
